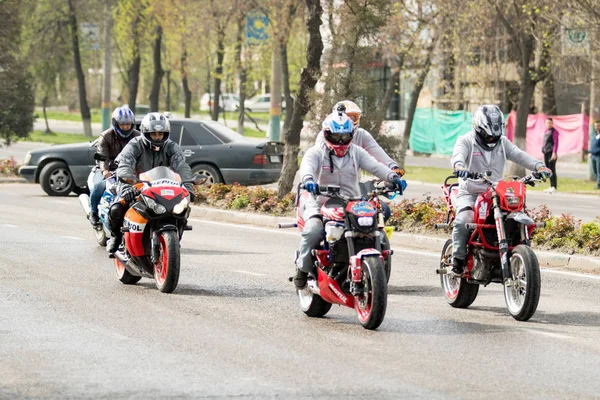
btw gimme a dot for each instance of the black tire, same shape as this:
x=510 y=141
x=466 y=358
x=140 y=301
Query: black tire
x=312 y=304
x=371 y=306
x=169 y=258
x=123 y=275
x=101 y=237
x=213 y=174
x=387 y=263
x=56 y=179
x=459 y=293
x=522 y=301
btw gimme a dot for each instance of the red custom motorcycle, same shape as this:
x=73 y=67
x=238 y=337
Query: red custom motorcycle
x=153 y=227
x=349 y=263
x=498 y=249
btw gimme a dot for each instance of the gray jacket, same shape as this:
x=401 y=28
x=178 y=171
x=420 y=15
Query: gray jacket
x=362 y=138
x=137 y=158
x=475 y=159
x=346 y=172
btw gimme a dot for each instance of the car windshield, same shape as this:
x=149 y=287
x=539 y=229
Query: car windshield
x=158 y=173
x=224 y=133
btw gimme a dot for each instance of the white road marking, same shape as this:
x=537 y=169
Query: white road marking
x=549 y=334
x=72 y=237
x=249 y=273
x=10 y=226
x=396 y=250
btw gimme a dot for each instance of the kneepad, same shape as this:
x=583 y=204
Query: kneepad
x=116 y=213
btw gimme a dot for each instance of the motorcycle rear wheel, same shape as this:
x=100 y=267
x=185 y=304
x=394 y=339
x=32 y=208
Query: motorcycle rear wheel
x=166 y=269
x=371 y=306
x=523 y=295
x=312 y=304
x=123 y=275
x=459 y=293
x=100 y=236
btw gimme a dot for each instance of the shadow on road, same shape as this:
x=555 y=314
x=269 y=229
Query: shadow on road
x=574 y=318
x=421 y=291
x=200 y=252
x=225 y=291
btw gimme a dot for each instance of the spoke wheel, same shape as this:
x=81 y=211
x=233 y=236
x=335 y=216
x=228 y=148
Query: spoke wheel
x=371 y=305
x=522 y=290
x=459 y=293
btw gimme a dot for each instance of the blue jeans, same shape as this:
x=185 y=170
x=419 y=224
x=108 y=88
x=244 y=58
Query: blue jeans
x=97 y=190
x=596 y=166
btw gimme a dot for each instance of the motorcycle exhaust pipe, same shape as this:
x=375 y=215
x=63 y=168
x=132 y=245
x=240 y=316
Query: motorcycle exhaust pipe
x=84 y=200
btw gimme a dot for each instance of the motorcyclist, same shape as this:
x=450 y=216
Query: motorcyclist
x=110 y=143
x=484 y=148
x=335 y=161
x=152 y=149
x=362 y=138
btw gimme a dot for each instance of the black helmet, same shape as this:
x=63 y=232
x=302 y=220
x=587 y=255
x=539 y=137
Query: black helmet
x=155 y=122
x=488 y=124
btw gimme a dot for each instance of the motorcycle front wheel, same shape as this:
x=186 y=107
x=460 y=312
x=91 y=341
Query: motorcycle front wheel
x=371 y=305
x=522 y=291
x=459 y=293
x=166 y=268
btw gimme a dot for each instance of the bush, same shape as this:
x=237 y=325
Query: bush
x=9 y=167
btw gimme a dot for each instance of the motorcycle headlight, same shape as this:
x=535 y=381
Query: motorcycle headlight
x=181 y=206
x=513 y=201
x=154 y=206
x=365 y=221
x=27 y=158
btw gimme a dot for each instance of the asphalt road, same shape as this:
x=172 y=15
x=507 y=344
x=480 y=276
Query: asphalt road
x=69 y=329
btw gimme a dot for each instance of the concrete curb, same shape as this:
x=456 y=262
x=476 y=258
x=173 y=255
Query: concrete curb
x=547 y=259
x=6 y=179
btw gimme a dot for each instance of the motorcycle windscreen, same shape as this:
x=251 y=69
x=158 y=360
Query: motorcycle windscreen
x=160 y=173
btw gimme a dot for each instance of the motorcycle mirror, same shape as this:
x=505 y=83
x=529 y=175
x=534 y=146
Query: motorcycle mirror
x=99 y=157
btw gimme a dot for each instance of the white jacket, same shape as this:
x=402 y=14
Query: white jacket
x=362 y=138
x=468 y=152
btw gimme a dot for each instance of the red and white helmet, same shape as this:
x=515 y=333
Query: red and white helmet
x=338 y=131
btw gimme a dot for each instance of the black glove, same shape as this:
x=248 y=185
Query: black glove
x=128 y=193
x=190 y=189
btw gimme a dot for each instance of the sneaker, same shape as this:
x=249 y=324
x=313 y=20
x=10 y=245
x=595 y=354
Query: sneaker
x=94 y=220
x=458 y=267
x=550 y=190
x=300 y=279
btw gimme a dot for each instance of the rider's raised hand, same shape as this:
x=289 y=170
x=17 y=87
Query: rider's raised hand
x=545 y=171
x=128 y=193
x=399 y=184
x=106 y=173
x=311 y=186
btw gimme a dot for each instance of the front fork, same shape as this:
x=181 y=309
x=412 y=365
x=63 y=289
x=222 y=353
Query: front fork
x=503 y=242
x=357 y=286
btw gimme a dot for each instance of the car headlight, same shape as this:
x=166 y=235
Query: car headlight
x=154 y=206
x=365 y=221
x=27 y=158
x=181 y=206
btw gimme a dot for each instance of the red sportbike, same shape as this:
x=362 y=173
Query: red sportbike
x=349 y=263
x=498 y=249
x=153 y=227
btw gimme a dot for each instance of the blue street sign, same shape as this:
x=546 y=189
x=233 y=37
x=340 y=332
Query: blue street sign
x=256 y=29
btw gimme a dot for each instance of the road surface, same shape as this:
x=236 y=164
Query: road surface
x=233 y=329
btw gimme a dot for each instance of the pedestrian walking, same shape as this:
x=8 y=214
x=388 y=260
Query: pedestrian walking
x=550 y=150
x=595 y=151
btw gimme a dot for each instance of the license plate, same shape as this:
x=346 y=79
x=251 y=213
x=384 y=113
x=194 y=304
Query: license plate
x=275 y=159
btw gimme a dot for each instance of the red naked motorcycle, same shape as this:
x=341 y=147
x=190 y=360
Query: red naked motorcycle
x=153 y=227
x=498 y=249
x=349 y=263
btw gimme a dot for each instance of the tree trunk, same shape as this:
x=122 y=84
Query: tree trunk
x=289 y=100
x=525 y=95
x=83 y=104
x=392 y=86
x=168 y=99
x=218 y=74
x=414 y=98
x=308 y=79
x=44 y=105
x=133 y=82
x=549 y=102
x=241 y=72
x=187 y=93
x=158 y=71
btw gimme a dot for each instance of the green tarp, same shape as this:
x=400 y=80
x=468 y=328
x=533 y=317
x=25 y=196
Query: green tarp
x=435 y=131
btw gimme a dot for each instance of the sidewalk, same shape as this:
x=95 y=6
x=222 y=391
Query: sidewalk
x=567 y=262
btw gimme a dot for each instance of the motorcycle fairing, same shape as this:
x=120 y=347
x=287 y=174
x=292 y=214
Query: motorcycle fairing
x=331 y=292
x=133 y=239
x=507 y=189
x=361 y=208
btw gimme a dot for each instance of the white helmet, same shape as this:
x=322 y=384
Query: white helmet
x=155 y=122
x=350 y=108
